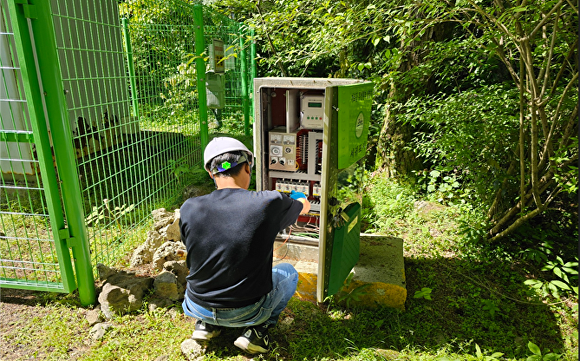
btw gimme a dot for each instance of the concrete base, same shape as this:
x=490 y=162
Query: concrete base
x=379 y=275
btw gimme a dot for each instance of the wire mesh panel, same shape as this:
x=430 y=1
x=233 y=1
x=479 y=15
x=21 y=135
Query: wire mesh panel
x=219 y=29
x=28 y=253
x=125 y=162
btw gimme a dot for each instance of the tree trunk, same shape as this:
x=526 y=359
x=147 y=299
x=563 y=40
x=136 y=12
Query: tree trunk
x=392 y=157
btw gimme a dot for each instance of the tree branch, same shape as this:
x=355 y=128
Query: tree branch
x=492 y=19
x=546 y=153
x=571 y=83
x=546 y=69
x=516 y=225
x=270 y=42
x=521 y=140
x=545 y=20
x=562 y=68
x=572 y=122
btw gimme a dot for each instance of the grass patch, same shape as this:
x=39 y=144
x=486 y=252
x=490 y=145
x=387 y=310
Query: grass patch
x=477 y=306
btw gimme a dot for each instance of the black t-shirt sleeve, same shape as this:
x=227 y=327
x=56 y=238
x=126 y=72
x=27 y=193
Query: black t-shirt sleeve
x=290 y=210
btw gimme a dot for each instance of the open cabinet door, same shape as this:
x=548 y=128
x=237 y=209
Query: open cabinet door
x=346 y=127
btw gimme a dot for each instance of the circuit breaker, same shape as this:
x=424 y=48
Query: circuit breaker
x=310 y=135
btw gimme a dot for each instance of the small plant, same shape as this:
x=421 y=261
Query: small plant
x=480 y=356
x=354 y=294
x=178 y=169
x=106 y=212
x=565 y=272
x=490 y=306
x=424 y=293
x=537 y=354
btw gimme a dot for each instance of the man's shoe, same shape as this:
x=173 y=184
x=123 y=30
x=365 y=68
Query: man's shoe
x=205 y=331
x=254 y=340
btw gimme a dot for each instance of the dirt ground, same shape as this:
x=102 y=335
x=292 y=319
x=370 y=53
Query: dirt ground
x=16 y=306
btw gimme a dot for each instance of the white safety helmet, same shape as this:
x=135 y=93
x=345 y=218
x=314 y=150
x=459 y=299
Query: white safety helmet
x=221 y=145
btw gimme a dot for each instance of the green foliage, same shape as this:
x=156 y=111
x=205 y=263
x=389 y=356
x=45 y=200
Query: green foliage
x=424 y=293
x=480 y=356
x=385 y=201
x=491 y=307
x=107 y=212
x=537 y=354
x=449 y=75
x=354 y=294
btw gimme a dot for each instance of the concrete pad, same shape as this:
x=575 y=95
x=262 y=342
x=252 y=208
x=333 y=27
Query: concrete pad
x=379 y=275
x=381 y=266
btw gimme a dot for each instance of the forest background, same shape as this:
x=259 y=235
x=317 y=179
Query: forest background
x=476 y=103
x=475 y=107
x=472 y=160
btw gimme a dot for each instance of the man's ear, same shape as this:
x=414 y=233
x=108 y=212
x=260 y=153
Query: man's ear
x=247 y=168
x=210 y=175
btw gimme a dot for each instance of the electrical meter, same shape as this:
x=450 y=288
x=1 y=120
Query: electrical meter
x=311 y=111
x=282 y=150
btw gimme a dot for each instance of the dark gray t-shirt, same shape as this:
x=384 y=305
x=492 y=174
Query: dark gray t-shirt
x=229 y=236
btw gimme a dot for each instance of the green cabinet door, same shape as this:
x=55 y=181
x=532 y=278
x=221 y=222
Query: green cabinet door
x=346 y=127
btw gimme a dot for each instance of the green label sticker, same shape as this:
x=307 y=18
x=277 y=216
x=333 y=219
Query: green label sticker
x=354 y=103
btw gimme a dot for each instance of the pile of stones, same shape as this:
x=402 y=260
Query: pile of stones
x=121 y=291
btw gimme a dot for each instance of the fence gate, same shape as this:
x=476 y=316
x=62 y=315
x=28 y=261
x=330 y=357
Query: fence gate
x=103 y=126
x=33 y=238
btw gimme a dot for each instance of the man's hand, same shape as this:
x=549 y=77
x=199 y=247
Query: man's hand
x=301 y=197
x=297 y=195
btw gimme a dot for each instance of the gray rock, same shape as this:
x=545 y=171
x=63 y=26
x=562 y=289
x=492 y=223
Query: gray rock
x=166 y=286
x=169 y=251
x=174 y=313
x=162 y=218
x=94 y=316
x=192 y=350
x=144 y=253
x=162 y=358
x=105 y=272
x=155 y=303
x=171 y=232
x=178 y=268
x=123 y=293
x=98 y=331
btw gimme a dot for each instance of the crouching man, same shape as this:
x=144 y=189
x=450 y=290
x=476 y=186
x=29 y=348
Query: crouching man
x=229 y=236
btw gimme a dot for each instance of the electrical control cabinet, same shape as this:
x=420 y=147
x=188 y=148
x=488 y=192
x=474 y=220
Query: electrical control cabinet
x=310 y=135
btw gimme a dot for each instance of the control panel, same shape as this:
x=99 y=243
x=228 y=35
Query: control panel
x=292 y=132
x=282 y=148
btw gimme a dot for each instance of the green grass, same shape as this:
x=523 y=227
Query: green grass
x=478 y=301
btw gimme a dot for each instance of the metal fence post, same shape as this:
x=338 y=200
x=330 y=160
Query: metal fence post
x=50 y=73
x=253 y=69
x=23 y=43
x=200 y=72
x=244 y=76
x=130 y=66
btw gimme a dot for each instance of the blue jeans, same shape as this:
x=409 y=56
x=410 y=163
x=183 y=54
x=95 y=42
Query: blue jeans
x=265 y=311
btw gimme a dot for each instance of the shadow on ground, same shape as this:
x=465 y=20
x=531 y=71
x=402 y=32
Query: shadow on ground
x=468 y=306
x=465 y=309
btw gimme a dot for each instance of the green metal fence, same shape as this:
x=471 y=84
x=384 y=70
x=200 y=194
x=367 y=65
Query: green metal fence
x=28 y=255
x=129 y=88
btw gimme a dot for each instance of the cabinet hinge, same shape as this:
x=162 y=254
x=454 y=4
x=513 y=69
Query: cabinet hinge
x=65 y=236
x=29 y=9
